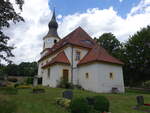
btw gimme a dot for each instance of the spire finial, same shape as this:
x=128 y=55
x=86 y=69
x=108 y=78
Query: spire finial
x=54 y=16
x=53 y=25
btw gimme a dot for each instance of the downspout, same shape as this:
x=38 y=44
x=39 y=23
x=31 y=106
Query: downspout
x=72 y=64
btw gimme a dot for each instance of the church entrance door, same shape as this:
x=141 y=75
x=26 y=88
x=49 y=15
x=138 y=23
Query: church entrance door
x=65 y=74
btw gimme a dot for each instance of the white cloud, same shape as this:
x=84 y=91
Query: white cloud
x=120 y=0
x=59 y=16
x=142 y=7
x=27 y=36
x=96 y=22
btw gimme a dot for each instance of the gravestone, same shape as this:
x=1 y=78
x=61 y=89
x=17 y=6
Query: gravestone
x=140 y=100
x=68 y=94
x=38 y=90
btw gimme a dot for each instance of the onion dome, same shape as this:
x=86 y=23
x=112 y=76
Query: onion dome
x=53 y=25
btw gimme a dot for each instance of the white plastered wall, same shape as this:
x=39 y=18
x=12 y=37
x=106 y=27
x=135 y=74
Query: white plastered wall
x=56 y=73
x=49 y=41
x=42 y=63
x=99 y=80
x=104 y=79
x=90 y=83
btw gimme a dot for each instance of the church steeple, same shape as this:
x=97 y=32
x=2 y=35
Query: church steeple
x=53 y=25
x=53 y=22
x=52 y=36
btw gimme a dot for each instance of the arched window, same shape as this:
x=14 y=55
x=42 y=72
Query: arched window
x=78 y=53
x=55 y=41
x=48 y=73
x=87 y=75
x=44 y=45
x=111 y=76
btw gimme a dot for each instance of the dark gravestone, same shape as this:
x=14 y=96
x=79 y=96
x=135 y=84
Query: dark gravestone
x=140 y=100
x=68 y=94
x=39 y=90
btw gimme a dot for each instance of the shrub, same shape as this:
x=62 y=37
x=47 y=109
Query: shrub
x=7 y=106
x=65 y=84
x=146 y=84
x=63 y=102
x=29 y=80
x=101 y=104
x=78 y=86
x=9 y=90
x=80 y=105
x=16 y=85
x=38 y=90
x=39 y=87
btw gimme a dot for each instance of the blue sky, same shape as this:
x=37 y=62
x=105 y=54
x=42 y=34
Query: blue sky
x=66 y=7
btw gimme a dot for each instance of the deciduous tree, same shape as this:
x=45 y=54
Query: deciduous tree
x=111 y=44
x=137 y=57
x=7 y=15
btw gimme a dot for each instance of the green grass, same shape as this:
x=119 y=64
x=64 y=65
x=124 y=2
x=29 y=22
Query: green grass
x=45 y=103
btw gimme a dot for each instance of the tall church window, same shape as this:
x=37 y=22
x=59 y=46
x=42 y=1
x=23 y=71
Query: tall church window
x=48 y=73
x=78 y=53
x=87 y=75
x=111 y=76
x=44 y=45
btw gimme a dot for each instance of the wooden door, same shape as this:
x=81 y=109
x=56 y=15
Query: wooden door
x=65 y=74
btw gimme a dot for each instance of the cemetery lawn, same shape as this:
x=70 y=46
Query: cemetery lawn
x=45 y=103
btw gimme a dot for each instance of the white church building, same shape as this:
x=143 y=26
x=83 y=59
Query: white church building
x=80 y=60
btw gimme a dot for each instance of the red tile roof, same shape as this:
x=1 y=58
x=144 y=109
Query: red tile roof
x=99 y=54
x=78 y=37
x=60 y=58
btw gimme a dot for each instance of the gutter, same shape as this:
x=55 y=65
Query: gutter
x=72 y=64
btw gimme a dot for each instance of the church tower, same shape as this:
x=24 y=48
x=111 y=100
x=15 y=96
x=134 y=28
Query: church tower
x=52 y=36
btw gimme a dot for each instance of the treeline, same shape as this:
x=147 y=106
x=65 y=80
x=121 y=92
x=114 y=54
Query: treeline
x=23 y=69
x=135 y=53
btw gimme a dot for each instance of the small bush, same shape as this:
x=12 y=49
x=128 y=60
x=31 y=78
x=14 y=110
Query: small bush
x=29 y=80
x=7 y=106
x=16 y=85
x=38 y=90
x=65 y=84
x=101 y=104
x=146 y=84
x=9 y=90
x=78 y=87
x=39 y=87
x=63 y=102
x=80 y=105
